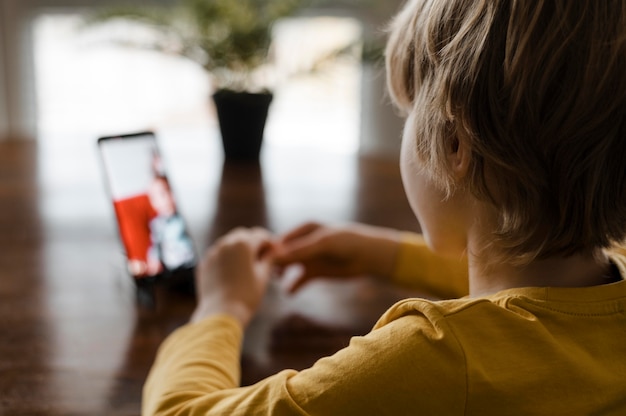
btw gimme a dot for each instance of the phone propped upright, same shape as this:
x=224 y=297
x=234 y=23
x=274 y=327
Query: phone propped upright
x=154 y=235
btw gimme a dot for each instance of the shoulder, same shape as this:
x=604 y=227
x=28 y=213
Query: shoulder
x=433 y=311
x=411 y=360
x=462 y=324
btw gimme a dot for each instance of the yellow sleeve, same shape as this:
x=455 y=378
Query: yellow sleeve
x=419 y=268
x=200 y=357
x=401 y=367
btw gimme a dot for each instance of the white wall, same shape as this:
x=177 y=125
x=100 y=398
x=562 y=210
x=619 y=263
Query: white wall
x=381 y=126
x=4 y=115
x=18 y=112
x=9 y=100
x=17 y=80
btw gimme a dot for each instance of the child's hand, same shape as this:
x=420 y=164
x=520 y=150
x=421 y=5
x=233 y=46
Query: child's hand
x=234 y=274
x=348 y=251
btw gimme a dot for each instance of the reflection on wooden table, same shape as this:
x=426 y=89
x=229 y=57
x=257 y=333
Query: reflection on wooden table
x=74 y=341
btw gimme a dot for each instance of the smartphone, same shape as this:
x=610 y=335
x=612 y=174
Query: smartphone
x=153 y=233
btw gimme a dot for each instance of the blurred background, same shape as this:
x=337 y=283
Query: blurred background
x=72 y=338
x=62 y=79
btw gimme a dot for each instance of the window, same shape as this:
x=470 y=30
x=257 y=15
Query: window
x=89 y=85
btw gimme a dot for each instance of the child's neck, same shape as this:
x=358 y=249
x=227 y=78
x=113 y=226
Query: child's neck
x=575 y=271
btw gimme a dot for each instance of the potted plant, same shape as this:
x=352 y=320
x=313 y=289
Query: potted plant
x=230 y=39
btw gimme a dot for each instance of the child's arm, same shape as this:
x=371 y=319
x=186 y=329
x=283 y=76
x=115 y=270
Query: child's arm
x=408 y=360
x=347 y=251
x=197 y=368
x=418 y=267
x=356 y=250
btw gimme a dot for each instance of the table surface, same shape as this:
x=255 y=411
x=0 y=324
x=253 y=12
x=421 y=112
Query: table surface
x=74 y=341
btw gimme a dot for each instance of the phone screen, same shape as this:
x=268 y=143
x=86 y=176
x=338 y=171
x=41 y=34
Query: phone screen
x=152 y=230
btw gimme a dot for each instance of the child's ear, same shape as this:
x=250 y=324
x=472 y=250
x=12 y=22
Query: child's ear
x=459 y=154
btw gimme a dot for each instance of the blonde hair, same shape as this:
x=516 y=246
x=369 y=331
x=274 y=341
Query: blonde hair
x=539 y=89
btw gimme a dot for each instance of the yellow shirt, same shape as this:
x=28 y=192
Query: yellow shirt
x=530 y=351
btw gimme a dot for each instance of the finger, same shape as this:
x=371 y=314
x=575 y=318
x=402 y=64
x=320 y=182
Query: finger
x=242 y=232
x=298 y=275
x=266 y=250
x=279 y=269
x=265 y=245
x=300 y=231
x=298 y=283
x=257 y=240
x=306 y=274
x=293 y=278
x=306 y=248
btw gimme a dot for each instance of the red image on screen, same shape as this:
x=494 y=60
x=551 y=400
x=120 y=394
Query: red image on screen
x=151 y=229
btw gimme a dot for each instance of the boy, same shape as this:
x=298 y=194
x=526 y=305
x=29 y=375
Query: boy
x=514 y=155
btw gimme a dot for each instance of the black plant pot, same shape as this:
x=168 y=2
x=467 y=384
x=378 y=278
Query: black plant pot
x=242 y=117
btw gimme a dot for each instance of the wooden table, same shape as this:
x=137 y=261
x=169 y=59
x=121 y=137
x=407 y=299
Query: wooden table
x=73 y=340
